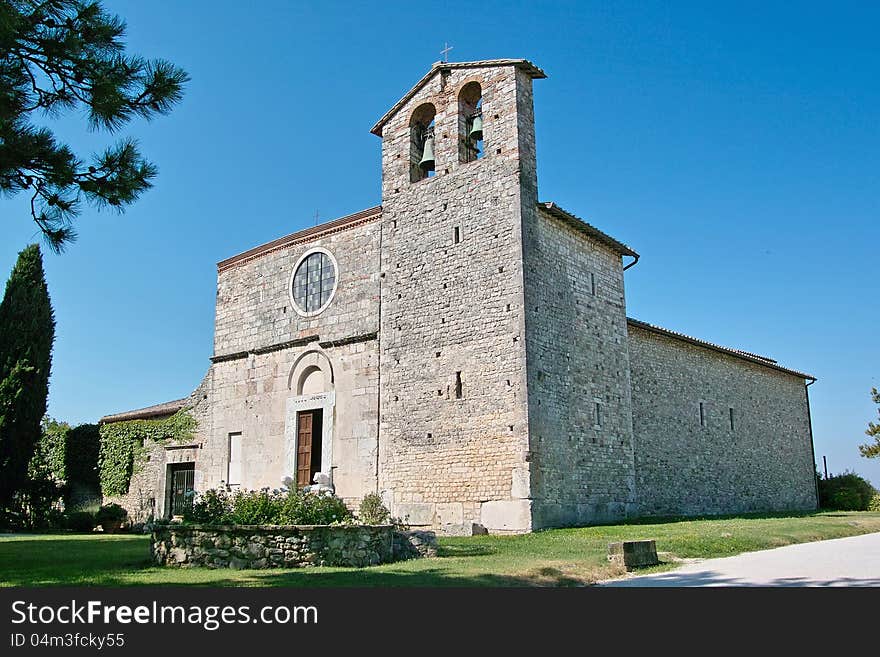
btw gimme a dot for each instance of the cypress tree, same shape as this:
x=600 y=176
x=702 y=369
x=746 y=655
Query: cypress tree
x=27 y=332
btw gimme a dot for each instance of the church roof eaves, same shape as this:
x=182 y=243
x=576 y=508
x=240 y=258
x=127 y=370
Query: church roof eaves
x=745 y=355
x=158 y=410
x=524 y=64
x=321 y=230
x=579 y=224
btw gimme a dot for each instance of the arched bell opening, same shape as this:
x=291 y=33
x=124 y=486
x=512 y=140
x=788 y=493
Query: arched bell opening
x=470 y=122
x=421 y=152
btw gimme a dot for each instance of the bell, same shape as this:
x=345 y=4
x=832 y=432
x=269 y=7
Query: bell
x=476 y=132
x=427 y=161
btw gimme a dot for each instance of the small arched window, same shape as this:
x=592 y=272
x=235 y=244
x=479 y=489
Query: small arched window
x=421 y=149
x=470 y=122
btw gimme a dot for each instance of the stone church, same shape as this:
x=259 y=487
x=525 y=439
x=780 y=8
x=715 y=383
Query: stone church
x=464 y=350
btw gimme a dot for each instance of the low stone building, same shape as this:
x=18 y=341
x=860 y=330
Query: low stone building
x=464 y=350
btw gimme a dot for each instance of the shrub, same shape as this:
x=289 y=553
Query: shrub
x=845 y=492
x=264 y=507
x=256 y=507
x=372 y=511
x=80 y=521
x=313 y=509
x=56 y=519
x=874 y=504
x=38 y=503
x=213 y=507
x=111 y=513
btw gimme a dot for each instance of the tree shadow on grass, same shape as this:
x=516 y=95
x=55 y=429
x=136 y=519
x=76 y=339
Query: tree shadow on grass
x=465 y=550
x=125 y=562
x=662 y=520
x=428 y=577
x=372 y=577
x=66 y=559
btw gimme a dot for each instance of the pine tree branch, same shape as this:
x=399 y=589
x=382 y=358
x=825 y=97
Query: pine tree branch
x=60 y=54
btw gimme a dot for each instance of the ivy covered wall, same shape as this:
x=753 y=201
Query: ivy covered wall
x=124 y=446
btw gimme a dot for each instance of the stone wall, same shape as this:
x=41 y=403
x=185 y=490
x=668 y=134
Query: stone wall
x=269 y=546
x=254 y=307
x=454 y=434
x=263 y=347
x=464 y=355
x=258 y=397
x=582 y=463
x=147 y=489
x=763 y=463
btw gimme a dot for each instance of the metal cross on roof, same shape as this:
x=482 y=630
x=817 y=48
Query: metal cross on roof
x=445 y=51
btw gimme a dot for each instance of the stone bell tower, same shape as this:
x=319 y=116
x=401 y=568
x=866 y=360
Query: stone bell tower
x=454 y=437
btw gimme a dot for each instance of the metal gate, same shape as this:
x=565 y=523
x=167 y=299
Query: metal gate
x=182 y=485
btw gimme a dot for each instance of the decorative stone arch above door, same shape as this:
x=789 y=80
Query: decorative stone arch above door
x=304 y=373
x=311 y=383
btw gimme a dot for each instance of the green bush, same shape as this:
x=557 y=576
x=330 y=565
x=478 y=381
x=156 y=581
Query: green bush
x=257 y=507
x=264 y=507
x=39 y=503
x=81 y=449
x=56 y=519
x=845 y=492
x=110 y=513
x=372 y=511
x=213 y=507
x=313 y=509
x=80 y=521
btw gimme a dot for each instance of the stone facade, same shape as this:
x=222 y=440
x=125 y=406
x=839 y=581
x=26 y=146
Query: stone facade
x=580 y=412
x=762 y=461
x=296 y=546
x=264 y=350
x=474 y=364
x=452 y=310
x=149 y=486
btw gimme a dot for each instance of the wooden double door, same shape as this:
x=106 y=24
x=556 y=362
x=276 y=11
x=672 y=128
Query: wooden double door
x=310 y=427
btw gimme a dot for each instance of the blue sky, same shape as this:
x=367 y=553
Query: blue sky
x=736 y=147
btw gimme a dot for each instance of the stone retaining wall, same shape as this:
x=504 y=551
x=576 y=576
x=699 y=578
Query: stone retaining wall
x=273 y=546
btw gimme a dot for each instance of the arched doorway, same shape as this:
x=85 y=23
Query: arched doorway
x=309 y=419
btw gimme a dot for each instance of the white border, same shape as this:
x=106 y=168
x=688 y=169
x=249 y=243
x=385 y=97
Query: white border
x=296 y=308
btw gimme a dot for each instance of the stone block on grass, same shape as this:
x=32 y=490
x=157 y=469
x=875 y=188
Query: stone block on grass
x=633 y=554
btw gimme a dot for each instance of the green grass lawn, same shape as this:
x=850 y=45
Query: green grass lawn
x=560 y=557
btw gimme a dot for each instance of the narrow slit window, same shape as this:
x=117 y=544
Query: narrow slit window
x=598 y=414
x=458 y=386
x=702 y=415
x=592 y=283
x=456 y=235
x=732 y=426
